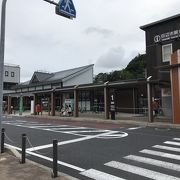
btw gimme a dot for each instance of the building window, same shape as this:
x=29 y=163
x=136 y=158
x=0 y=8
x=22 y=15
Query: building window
x=12 y=74
x=6 y=73
x=166 y=52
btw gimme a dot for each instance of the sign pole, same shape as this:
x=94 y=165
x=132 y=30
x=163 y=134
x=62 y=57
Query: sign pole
x=2 y=45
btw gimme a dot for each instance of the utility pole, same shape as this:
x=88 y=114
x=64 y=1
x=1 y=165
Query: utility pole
x=2 y=45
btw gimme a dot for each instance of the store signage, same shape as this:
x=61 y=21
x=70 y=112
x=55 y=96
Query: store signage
x=167 y=36
x=112 y=103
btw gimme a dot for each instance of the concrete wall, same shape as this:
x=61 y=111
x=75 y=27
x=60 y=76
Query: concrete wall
x=10 y=69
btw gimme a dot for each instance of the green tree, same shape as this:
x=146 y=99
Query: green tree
x=137 y=66
x=135 y=69
x=101 y=77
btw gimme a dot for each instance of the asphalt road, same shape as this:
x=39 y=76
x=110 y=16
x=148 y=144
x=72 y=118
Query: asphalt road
x=99 y=151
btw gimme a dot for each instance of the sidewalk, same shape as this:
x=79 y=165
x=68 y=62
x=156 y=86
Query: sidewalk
x=11 y=169
x=159 y=124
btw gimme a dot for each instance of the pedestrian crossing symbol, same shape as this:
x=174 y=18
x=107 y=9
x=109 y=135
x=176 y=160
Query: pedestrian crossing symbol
x=66 y=8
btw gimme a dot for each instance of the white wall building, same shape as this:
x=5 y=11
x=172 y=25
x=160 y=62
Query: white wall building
x=11 y=77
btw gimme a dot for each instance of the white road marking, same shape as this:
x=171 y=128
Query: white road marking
x=172 y=143
x=14 y=147
x=163 y=164
x=36 y=125
x=140 y=171
x=59 y=162
x=167 y=148
x=99 y=175
x=176 y=139
x=109 y=136
x=49 y=126
x=119 y=134
x=87 y=131
x=14 y=123
x=74 y=130
x=68 y=128
x=70 y=141
x=134 y=128
x=161 y=154
x=49 y=159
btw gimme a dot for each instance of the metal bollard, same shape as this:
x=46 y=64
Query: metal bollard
x=55 y=157
x=2 y=140
x=23 y=157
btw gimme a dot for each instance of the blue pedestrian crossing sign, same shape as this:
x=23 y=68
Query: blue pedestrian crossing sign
x=67 y=9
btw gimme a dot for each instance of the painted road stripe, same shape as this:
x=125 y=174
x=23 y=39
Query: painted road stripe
x=134 y=128
x=161 y=154
x=68 y=128
x=88 y=131
x=71 y=141
x=25 y=124
x=49 y=126
x=55 y=129
x=59 y=162
x=140 y=171
x=14 y=123
x=99 y=175
x=167 y=148
x=172 y=143
x=163 y=164
x=14 y=147
x=176 y=139
x=48 y=159
x=36 y=124
x=33 y=126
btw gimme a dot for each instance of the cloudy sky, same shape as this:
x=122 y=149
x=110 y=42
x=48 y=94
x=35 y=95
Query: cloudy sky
x=105 y=33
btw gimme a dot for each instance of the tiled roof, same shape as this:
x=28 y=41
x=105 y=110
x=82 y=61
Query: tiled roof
x=42 y=77
x=160 y=21
x=66 y=73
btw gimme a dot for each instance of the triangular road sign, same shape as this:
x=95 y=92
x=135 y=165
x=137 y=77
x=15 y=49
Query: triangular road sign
x=66 y=7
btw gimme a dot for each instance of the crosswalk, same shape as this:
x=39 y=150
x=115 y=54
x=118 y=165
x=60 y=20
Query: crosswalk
x=159 y=162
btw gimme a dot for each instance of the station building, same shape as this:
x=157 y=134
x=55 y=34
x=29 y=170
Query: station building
x=162 y=50
x=76 y=87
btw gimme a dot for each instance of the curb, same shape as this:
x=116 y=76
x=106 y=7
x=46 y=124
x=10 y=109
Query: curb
x=15 y=153
x=128 y=122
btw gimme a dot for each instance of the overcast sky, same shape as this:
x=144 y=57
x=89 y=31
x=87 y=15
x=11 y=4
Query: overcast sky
x=105 y=33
